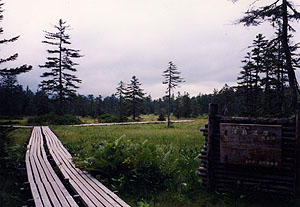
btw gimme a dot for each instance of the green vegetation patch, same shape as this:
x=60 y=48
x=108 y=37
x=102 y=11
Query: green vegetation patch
x=53 y=119
x=151 y=165
x=108 y=118
x=12 y=154
x=138 y=161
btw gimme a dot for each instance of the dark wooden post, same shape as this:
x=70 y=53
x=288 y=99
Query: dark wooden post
x=211 y=144
x=298 y=150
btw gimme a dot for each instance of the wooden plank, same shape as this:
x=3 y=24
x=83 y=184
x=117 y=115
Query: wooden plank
x=45 y=185
x=44 y=173
x=86 y=180
x=63 y=195
x=56 y=184
x=80 y=179
x=98 y=192
x=108 y=192
x=101 y=195
x=90 y=193
x=80 y=188
x=34 y=164
x=33 y=188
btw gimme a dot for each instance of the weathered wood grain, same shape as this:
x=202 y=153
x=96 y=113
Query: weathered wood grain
x=90 y=190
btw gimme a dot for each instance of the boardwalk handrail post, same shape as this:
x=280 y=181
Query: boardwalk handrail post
x=298 y=149
x=212 y=124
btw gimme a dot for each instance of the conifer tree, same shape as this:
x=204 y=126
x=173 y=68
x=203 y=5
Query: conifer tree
x=135 y=97
x=186 y=105
x=250 y=79
x=60 y=81
x=262 y=80
x=99 y=105
x=245 y=83
x=10 y=73
x=172 y=80
x=121 y=93
x=280 y=13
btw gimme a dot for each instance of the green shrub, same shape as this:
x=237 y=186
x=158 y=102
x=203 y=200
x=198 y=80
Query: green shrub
x=143 y=168
x=108 y=118
x=11 y=157
x=53 y=119
x=161 y=117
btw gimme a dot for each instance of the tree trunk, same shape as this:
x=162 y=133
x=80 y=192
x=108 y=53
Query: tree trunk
x=121 y=109
x=284 y=39
x=169 y=106
x=133 y=108
x=169 y=99
x=61 y=111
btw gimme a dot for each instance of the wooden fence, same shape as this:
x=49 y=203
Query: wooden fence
x=251 y=154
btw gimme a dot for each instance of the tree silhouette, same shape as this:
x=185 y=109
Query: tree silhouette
x=10 y=73
x=279 y=14
x=262 y=81
x=121 y=93
x=60 y=81
x=135 y=96
x=172 y=79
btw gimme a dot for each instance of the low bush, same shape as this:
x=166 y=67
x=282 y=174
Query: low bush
x=161 y=117
x=53 y=119
x=142 y=168
x=108 y=118
x=7 y=122
x=11 y=157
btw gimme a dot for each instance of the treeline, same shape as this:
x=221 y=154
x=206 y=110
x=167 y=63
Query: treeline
x=267 y=84
x=16 y=101
x=263 y=81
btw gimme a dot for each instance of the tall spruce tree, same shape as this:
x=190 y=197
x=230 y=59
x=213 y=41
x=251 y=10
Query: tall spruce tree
x=60 y=81
x=121 y=93
x=10 y=73
x=11 y=93
x=245 y=85
x=280 y=13
x=259 y=59
x=172 y=80
x=135 y=97
x=262 y=81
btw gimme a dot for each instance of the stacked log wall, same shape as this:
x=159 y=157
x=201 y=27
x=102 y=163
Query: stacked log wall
x=227 y=177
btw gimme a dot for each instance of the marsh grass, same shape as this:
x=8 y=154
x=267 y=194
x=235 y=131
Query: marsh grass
x=14 y=121
x=143 y=117
x=181 y=137
x=12 y=155
x=181 y=133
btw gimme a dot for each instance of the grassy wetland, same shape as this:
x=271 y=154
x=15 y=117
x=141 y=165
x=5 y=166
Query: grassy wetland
x=146 y=165
x=12 y=153
x=151 y=165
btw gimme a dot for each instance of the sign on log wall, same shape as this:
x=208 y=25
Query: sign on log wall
x=250 y=144
x=251 y=154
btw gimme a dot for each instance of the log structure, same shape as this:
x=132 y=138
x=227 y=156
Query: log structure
x=251 y=154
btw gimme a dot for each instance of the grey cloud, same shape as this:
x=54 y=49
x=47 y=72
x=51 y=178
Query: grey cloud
x=120 y=39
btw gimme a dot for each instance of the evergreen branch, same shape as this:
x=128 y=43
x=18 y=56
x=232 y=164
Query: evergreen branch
x=16 y=71
x=9 y=40
x=11 y=58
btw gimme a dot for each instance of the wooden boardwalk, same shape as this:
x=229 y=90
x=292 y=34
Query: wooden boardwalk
x=48 y=190
x=134 y=123
x=46 y=187
x=90 y=190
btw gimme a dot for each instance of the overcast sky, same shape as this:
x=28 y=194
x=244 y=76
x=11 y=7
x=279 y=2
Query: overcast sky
x=122 y=38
